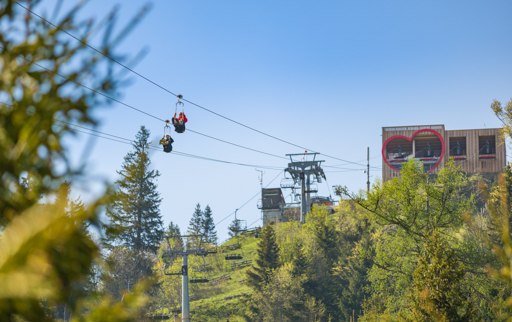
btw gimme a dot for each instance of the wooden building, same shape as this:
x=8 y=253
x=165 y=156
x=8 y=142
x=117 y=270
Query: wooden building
x=275 y=209
x=476 y=151
x=272 y=204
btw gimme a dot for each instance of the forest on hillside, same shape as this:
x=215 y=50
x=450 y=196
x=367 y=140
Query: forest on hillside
x=416 y=248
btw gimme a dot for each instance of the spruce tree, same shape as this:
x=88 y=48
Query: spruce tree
x=196 y=222
x=267 y=260
x=299 y=262
x=173 y=235
x=135 y=215
x=209 y=232
x=173 y=230
x=234 y=228
x=324 y=284
x=195 y=227
x=260 y=276
x=173 y=243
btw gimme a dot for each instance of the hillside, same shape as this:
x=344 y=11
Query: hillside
x=222 y=296
x=383 y=261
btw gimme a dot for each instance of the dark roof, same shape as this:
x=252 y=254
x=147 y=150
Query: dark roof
x=272 y=198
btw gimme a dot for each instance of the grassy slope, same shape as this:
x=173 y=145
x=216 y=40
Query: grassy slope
x=221 y=298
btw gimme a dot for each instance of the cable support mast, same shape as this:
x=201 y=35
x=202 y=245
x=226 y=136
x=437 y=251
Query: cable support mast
x=301 y=172
x=185 y=300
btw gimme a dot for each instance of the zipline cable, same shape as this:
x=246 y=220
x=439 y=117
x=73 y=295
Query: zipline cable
x=156 y=117
x=152 y=147
x=176 y=95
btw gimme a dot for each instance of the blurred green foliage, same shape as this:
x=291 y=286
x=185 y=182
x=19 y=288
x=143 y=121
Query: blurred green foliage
x=46 y=251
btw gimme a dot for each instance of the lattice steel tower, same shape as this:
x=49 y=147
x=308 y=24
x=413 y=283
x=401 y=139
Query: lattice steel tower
x=301 y=172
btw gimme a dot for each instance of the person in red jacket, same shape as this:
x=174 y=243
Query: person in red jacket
x=182 y=118
x=179 y=122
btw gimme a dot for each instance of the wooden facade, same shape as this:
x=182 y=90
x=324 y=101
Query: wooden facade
x=475 y=150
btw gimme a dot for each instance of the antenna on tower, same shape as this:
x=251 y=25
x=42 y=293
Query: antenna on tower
x=260 y=176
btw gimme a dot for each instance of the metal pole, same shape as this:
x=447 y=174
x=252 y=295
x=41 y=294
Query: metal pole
x=236 y=223
x=185 y=305
x=261 y=177
x=368 y=170
x=308 y=194
x=303 y=198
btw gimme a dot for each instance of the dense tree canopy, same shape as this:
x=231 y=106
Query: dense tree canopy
x=424 y=238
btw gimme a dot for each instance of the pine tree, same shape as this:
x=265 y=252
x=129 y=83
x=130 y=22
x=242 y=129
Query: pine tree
x=322 y=284
x=209 y=232
x=234 y=228
x=195 y=227
x=267 y=261
x=135 y=216
x=261 y=274
x=173 y=243
x=299 y=262
x=173 y=230
x=173 y=236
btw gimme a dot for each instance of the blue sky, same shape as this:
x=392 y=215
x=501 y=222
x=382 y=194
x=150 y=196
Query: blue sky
x=326 y=75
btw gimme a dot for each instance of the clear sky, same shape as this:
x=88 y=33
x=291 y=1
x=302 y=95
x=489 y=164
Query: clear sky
x=326 y=75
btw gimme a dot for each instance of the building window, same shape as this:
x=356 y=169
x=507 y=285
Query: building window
x=428 y=147
x=399 y=150
x=487 y=146
x=458 y=147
